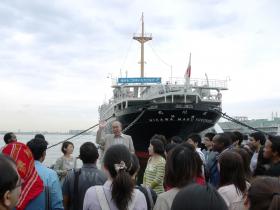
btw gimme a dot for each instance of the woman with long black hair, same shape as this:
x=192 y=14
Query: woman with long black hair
x=233 y=184
x=198 y=197
x=181 y=170
x=118 y=192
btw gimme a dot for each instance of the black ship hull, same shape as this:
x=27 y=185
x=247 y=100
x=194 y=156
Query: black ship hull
x=167 y=120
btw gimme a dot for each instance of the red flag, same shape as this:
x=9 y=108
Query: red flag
x=188 y=71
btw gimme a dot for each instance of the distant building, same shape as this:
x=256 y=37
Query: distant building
x=74 y=132
x=269 y=126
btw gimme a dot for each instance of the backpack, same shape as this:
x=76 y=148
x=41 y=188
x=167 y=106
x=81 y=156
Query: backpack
x=149 y=193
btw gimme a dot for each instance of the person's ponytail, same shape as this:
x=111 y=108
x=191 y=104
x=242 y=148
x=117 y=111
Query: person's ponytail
x=122 y=189
x=117 y=161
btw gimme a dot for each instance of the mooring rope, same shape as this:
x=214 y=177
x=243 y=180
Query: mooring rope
x=227 y=117
x=128 y=127
x=77 y=134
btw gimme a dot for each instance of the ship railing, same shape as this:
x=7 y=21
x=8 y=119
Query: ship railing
x=177 y=82
x=201 y=83
x=204 y=95
x=207 y=90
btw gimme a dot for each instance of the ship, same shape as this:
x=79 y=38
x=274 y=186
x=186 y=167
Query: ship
x=146 y=106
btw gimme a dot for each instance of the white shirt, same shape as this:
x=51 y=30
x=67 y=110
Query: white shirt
x=254 y=161
x=201 y=155
x=233 y=197
x=91 y=201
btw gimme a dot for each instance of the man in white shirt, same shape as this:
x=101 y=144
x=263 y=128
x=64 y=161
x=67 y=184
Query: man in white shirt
x=107 y=140
x=256 y=141
x=195 y=140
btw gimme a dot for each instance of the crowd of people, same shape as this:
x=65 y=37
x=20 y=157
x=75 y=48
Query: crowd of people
x=214 y=171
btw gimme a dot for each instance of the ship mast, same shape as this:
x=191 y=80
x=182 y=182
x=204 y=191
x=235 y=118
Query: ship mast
x=142 y=38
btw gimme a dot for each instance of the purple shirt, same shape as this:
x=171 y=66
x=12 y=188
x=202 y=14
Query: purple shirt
x=91 y=201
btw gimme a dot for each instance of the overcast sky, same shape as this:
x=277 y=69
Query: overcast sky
x=55 y=56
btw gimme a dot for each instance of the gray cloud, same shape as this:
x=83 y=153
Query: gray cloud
x=260 y=108
x=61 y=51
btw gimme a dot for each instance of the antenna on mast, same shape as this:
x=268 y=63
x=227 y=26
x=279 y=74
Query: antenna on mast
x=142 y=38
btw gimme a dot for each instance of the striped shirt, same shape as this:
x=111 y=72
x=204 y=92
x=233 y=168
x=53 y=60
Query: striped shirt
x=154 y=174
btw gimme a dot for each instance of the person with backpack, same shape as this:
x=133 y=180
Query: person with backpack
x=118 y=192
x=78 y=181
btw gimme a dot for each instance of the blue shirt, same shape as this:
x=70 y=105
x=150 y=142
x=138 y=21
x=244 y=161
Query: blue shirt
x=50 y=180
x=37 y=203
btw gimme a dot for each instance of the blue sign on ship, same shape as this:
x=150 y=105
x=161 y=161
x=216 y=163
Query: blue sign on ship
x=140 y=80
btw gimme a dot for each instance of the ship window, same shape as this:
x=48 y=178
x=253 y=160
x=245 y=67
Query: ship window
x=179 y=98
x=169 y=99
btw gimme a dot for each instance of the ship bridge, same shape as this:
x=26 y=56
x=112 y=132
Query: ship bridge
x=130 y=91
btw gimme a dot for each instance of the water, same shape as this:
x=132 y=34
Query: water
x=55 y=152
